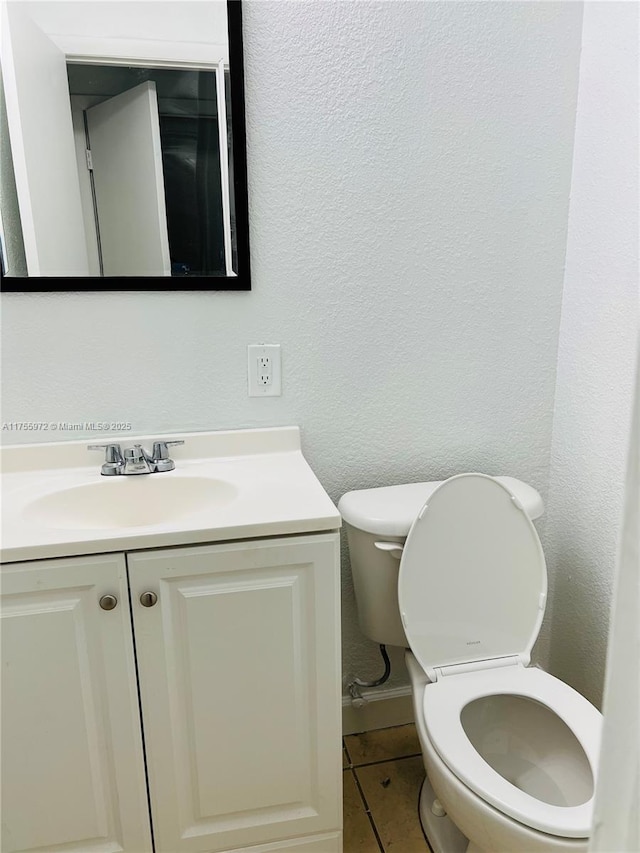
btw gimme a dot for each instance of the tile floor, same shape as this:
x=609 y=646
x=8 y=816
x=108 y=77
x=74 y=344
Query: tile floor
x=382 y=775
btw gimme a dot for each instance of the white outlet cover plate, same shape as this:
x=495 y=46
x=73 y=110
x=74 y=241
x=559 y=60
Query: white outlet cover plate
x=254 y=353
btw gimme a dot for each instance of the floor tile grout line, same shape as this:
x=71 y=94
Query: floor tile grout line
x=390 y=759
x=346 y=749
x=368 y=811
x=426 y=840
x=384 y=760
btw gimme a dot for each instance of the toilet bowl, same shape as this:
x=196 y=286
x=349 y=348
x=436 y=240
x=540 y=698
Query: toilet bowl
x=510 y=751
x=469 y=815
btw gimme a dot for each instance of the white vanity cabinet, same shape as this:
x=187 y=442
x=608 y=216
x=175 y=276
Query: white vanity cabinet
x=240 y=689
x=236 y=647
x=72 y=762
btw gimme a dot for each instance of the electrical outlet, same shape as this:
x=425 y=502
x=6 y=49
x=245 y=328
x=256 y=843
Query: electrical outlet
x=265 y=375
x=263 y=370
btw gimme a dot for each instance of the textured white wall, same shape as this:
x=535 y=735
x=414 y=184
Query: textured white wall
x=597 y=351
x=409 y=169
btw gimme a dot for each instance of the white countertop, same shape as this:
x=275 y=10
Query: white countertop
x=276 y=493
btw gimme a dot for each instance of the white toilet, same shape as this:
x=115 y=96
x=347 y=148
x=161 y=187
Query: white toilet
x=454 y=571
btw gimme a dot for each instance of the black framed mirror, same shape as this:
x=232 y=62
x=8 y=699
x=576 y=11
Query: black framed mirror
x=128 y=164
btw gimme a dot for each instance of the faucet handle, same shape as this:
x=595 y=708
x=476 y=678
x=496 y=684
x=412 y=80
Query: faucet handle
x=136 y=460
x=112 y=451
x=160 y=450
x=113 y=461
x=160 y=455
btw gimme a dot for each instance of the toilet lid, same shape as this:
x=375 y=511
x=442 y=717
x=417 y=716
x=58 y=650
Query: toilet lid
x=472 y=582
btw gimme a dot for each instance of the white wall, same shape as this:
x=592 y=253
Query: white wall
x=409 y=168
x=616 y=823
x=597 y=349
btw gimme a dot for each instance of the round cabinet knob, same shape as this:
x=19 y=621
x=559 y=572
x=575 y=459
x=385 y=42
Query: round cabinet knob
x=148 y=599
x=108 y=602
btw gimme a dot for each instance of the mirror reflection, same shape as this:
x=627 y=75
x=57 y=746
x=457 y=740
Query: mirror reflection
x=122 y=118
x=147 y=140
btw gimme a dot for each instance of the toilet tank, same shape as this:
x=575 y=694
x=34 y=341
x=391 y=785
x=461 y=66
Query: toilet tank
x=376 y=520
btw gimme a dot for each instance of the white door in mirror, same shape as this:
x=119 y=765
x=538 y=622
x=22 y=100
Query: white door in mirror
x=46 y=174
x=129 y=184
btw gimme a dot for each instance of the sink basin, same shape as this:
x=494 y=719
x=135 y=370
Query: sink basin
x=133 y=501
x=227 y=485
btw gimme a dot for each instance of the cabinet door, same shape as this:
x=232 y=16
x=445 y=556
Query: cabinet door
x=72 y=762
x=239 y=676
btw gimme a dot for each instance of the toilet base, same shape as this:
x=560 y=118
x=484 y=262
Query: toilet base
x=442 y=834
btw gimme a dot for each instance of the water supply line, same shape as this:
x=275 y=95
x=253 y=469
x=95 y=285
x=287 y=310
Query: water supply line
x=357 y=699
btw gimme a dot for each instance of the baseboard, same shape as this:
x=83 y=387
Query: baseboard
x=382 y=709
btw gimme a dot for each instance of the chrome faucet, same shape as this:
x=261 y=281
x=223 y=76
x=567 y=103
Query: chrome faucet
x=136 y=460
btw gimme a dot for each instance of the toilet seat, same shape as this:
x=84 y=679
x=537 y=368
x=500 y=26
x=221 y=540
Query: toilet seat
x=472 y=582
x=472 y=591
x=444 y=702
